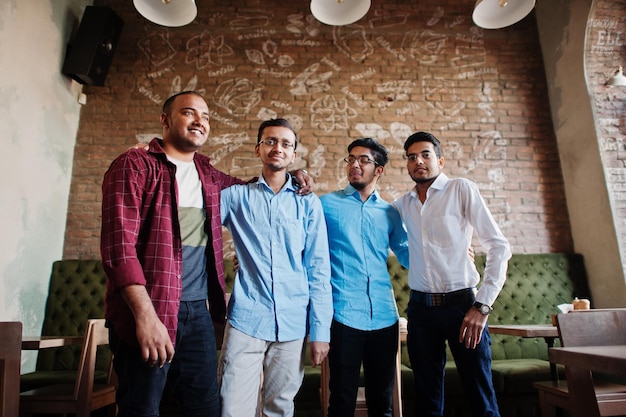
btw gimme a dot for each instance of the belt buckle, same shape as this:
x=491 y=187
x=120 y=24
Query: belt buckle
x=437 y=300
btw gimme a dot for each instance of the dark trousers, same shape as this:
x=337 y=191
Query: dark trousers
x=429 y=328
x=192 y=373
x=376 y=350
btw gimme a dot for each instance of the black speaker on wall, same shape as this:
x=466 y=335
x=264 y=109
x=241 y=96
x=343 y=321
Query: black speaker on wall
x=89 y=57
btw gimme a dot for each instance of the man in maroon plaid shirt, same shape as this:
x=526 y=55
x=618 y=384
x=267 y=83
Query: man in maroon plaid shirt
x=161 y=246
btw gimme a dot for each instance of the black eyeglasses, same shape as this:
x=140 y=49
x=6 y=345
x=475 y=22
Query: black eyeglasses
x=273 y=142
x=362 y=160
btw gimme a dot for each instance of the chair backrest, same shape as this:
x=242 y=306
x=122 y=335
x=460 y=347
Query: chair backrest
x=10 y=360
x=596 y=327
x=75 y=294
x=96 y=335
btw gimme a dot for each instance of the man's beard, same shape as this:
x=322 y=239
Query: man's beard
x=358 y=185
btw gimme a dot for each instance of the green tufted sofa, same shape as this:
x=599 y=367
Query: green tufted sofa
x=535 y=284
x=75 y=294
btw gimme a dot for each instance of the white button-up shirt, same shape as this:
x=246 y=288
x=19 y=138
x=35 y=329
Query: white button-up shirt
x=440 y=232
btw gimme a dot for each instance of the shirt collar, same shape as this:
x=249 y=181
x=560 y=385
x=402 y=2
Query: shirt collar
x=351 y=191
x=289 y=185
x=439 y=184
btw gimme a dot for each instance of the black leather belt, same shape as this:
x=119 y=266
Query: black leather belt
x=463 y=296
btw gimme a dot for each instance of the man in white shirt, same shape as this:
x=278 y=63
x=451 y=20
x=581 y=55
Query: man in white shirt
x=441 y=215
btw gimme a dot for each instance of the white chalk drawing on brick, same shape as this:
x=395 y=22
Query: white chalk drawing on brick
x=298 y=26
x=381 y=21
x=409 y=108
x=215 y=116
x=327 y=61
x=468 y=56
x=434 y=89
x=489 y=149
x=251 y=19
x=352 y=41
x=147 y=137
x=452 y=150
x=486 y=104
x=358 y=100
x=157 y=48
x=296 y=121
x=310 y=81
x=227 y=144
x=396 y=90
x=317 y=161
x=424 y=46
x=387 y=46
x=238 y=96
x=192 y=85
x=397 y=131
x=270 y=49
x=372 y=130
x=458 y=20
x=206 y=49
x=329 y=114
x=281 y=105
x=400 y=132
x=365 y=74
x=436 y=17
x=266 y=114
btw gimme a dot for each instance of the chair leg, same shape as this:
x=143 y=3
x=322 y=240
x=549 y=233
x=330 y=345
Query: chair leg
x=547 y=409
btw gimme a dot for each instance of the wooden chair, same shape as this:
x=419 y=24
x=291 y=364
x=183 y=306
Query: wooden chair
x=361 y=405
x=82 y=397
x=10 y=360
x=587 y=328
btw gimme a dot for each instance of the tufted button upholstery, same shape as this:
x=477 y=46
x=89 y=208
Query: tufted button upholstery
x=75 y=294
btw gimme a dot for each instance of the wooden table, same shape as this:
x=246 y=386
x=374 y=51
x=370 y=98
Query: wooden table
x=579 y=362
x=547 y=331
x=47 y=342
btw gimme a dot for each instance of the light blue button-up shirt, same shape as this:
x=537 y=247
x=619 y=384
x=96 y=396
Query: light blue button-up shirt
x=360 y=235
x=284 y=267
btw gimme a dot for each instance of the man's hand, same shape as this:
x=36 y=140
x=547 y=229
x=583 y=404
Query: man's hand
x=304 y=180
x=154 y=341
x=140 y=145
x=472 y=328
x=319 y=351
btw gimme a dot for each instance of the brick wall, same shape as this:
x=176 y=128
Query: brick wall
x=605 y=50
x=401 y=69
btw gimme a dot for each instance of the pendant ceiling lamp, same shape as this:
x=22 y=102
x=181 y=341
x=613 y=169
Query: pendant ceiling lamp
x=339 y=12
x=170 y=13
x=496 y=14
x=618 y=77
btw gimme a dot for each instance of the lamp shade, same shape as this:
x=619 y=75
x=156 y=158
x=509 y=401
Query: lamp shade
x=339 y=12
x=171 y=13
x=618 y=77
x=496 y=14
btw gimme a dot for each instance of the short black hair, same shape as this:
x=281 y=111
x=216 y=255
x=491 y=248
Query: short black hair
x=276 y=122
x=379 y=152
x=423 y=137
x=167 y=106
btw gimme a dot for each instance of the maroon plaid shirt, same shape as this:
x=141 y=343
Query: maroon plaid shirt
x=140 y=238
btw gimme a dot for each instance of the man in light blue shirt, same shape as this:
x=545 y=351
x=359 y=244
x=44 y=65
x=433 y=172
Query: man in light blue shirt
x=282 y=290
x=362 y=227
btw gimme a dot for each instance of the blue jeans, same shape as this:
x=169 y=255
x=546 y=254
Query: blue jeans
x=377 y=350
x=429 y=328
x=192 y=373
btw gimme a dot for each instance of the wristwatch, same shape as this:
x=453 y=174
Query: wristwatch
x=483 y=308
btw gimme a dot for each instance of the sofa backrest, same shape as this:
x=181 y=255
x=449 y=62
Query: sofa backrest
x=535 y=285
x=76 y=294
